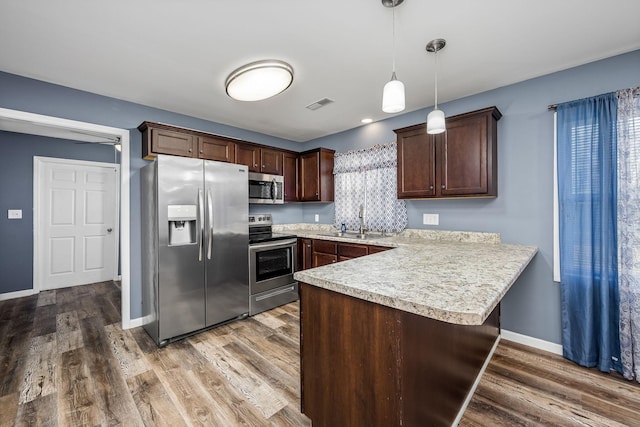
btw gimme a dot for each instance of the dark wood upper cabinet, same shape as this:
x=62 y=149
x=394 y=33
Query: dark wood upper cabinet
x=308 y=176
x=249 y=156
x=461 y=162
x=164 y=141
x=271 y=161
x=290 y=172
x=416 y=163
x=316 y=175
x=257 y=159
x=211 y=148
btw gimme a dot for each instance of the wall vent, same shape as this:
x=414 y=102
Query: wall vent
x=319 y=104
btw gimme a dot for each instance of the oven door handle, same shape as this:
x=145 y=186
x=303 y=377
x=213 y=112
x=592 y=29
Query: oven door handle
x=277 y=244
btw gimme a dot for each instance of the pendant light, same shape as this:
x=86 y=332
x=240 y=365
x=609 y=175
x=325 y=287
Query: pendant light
x=435 y=119
x=393 y=92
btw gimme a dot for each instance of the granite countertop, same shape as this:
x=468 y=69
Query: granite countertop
x=455 y=277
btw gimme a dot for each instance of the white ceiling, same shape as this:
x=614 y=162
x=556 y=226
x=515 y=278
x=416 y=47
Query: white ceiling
x=176 y=54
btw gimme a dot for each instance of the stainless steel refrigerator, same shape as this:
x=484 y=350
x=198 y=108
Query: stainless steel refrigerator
x=194 y=245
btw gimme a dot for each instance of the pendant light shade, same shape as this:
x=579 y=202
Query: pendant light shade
x=259 y=80
x=393 y=92
x=393 y=96
x=435 y=122
x=435 y=119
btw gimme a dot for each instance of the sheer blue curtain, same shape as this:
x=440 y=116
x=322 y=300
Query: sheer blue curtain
x=587 y=197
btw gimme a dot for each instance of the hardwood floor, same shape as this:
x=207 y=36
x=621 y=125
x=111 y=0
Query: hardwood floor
x=65 y=361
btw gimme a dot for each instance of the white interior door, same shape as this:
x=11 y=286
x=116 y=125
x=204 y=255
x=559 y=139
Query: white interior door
x=76 y=222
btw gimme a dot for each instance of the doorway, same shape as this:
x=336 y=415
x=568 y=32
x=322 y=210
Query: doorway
x=37 y=124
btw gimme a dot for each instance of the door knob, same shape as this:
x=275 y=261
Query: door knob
x=109 y=230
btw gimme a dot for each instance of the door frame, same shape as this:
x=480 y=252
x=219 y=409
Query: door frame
x=39 y=162
x=38 y=124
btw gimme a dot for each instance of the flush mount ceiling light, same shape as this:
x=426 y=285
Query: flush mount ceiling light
x=435 y=119
x=259 y=80
x=393 y=92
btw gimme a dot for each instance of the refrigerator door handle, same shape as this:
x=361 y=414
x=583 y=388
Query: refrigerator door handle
x=210 y=207
x=201 y=220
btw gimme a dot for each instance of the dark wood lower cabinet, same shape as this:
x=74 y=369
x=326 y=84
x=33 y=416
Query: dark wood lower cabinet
x=364 y=364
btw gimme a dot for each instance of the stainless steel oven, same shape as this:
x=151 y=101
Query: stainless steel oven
x=272 y=262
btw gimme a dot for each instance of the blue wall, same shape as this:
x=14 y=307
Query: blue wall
x=523 y=210
x=522 y=213
x=16 y=192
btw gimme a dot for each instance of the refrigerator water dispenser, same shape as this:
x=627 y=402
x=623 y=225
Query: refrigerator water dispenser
x=182 y=224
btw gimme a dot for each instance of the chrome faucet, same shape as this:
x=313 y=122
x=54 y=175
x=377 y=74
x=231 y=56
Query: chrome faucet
x=362 y=215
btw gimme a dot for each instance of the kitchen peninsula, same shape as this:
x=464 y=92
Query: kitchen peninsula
x=399 y=337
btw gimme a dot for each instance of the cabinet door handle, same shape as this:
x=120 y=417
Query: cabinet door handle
x=201 y=151
x=316 y=193
x=431 y=187
x=190 y=150
x=309 y=246
x=443 y=186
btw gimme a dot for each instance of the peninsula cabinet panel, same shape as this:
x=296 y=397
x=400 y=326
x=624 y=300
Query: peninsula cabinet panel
x=363 y=364
x=290 y=173
x=348 y=361
x=461 y=162
x=316 y=175
x=219 y=149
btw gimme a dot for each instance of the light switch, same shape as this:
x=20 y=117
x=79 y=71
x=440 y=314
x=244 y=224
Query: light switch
x=430 y=219
x=317 y=218
x=14 y=214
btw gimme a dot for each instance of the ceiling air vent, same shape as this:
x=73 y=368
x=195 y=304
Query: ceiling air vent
x=319 y=104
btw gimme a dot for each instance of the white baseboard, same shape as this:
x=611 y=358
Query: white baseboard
x=18 y=294
x=532 y=342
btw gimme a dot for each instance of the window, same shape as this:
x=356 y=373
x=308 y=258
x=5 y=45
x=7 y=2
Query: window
x=367 y=179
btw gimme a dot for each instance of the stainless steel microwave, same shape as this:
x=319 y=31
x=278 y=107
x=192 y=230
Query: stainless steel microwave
x=265 y=188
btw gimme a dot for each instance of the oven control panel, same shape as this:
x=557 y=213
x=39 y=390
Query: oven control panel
x=259 y=219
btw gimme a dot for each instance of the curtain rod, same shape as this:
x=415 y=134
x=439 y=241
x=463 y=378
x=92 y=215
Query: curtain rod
x=552 y=107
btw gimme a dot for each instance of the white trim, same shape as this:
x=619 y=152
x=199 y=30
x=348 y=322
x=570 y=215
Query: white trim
x=38 y=165
x=43 y=122
x=532 y=342
x=556 y=220
x=17 y=294
x=135 y=323
x=476 y=383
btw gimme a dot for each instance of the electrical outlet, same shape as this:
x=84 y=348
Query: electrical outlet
x=430 y=219
x=317 y=218
x=14 y=214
